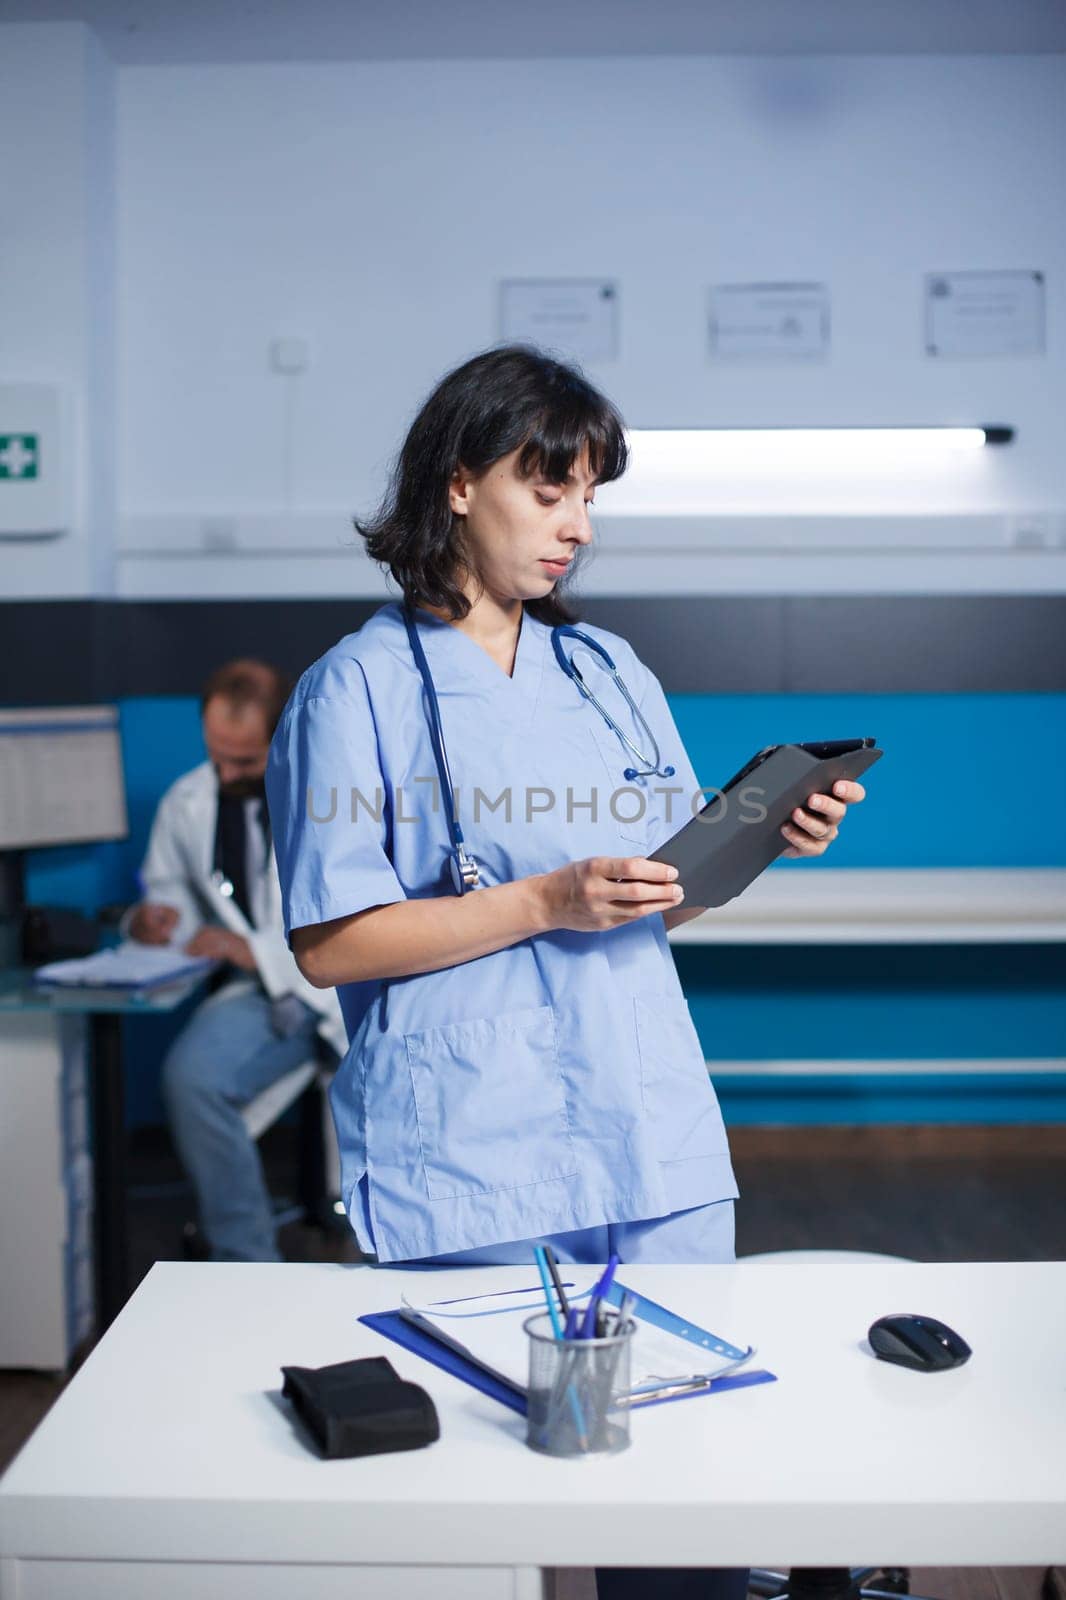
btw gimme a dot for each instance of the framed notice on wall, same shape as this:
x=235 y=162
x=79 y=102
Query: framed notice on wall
x=769 y=322
x=984 y=313
x=576 y=316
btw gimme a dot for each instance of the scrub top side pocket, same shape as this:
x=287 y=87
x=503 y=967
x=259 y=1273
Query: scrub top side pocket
x=490 y=1104
x=680 y=1102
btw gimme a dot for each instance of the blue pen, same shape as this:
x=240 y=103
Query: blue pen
x=588 y=1327
x=571 y=1331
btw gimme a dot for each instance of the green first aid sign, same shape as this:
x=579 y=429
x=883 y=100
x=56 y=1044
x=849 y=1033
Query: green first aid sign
x=19 y=457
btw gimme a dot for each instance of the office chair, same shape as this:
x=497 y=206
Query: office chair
x=826 y=1583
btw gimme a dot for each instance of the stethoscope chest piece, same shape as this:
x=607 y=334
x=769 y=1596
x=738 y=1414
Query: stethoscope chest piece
x=464 y=871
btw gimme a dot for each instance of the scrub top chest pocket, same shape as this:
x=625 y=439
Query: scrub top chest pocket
x=490 y=1104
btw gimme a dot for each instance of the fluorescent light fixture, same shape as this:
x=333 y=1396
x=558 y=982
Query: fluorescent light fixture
x=691 y=450
x=700 y=471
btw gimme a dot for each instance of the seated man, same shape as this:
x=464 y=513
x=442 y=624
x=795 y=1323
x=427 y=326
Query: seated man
x=211 y=886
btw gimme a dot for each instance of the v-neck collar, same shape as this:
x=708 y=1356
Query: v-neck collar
x=458 y=662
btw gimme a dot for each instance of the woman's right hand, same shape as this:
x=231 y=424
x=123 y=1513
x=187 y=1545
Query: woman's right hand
x=607 y=891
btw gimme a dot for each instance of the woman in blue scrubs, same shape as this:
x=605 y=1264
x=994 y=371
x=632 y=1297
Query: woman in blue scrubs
x=522 y=1063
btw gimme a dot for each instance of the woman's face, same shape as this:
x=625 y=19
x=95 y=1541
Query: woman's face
x=520 y=534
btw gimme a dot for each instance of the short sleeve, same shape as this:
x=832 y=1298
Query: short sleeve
x=329 y=806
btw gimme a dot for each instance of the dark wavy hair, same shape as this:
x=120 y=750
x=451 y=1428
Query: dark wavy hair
x=512 y=398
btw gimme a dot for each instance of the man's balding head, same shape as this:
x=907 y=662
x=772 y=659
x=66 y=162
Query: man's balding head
x=241 y=704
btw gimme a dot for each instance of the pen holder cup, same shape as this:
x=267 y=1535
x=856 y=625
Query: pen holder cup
x=577 y=1391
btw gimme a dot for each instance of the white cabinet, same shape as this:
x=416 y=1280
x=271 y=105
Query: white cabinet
x=46 y=1189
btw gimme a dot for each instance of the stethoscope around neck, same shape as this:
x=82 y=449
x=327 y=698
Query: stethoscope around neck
x=464 y=869
x=645 y=768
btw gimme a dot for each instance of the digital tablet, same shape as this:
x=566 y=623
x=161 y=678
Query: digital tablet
x=737 y=833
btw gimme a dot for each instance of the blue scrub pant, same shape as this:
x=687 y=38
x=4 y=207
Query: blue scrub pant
x=224 y=1056
x=703 y=1235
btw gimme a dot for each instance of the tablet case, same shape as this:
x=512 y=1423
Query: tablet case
x=361 y=1408
x=738 y=834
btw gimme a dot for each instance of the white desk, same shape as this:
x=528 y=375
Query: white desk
x=167 y=1468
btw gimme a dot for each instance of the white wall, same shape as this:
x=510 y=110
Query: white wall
x=372 y=208
x=56 y=282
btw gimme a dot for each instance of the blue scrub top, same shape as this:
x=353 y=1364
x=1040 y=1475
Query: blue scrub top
x=553 y=1085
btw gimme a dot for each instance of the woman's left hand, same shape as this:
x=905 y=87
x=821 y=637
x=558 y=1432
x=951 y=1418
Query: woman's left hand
x=811 y=830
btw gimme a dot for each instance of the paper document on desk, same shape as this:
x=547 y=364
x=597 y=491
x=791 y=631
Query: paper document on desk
x=126 y=966
x=487 y=1329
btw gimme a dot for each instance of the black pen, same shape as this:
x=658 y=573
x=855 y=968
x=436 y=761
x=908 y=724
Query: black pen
x=564 y=1304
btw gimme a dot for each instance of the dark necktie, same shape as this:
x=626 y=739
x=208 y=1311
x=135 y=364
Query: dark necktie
x=233 y=849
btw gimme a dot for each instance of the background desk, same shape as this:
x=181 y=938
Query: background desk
x=62 y=1173
x=169 y=1465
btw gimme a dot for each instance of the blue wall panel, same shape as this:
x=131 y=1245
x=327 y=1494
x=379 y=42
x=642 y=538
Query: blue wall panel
x=851 y=1101
x=941 y=797
x=787 y=1002
x=950 y=790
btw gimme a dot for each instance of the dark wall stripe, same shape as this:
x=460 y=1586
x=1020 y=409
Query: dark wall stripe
x=88 y=650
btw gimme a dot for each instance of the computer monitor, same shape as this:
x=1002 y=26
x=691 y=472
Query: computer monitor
x=61 y=782
x=61 y=778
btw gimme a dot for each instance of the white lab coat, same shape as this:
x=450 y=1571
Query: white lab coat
x=177 y=872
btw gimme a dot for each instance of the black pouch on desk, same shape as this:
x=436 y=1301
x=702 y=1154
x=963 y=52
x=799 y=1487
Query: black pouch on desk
x=361 y=1408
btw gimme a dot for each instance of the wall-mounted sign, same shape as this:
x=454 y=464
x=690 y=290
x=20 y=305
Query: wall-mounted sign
x=20 y=455
x=769 y=322
x=576 y=316
x=33 y=466
x=984 y=313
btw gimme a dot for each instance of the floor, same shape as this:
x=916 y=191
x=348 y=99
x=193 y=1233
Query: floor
x=935 y=1194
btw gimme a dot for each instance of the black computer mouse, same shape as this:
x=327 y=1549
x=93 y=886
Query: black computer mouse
x=919 y=1342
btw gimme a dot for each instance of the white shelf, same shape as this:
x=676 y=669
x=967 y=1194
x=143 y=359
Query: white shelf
x=812 y=904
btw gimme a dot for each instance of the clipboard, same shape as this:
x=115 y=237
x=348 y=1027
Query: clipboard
x=738 y=833
x=128 y=969
x=393 y=1325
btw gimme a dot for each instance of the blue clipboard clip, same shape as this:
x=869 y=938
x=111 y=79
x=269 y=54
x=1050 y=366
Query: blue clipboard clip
x=658 y=1317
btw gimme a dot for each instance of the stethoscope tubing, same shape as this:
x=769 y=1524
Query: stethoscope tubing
x=652 y=767
x=464 y=869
